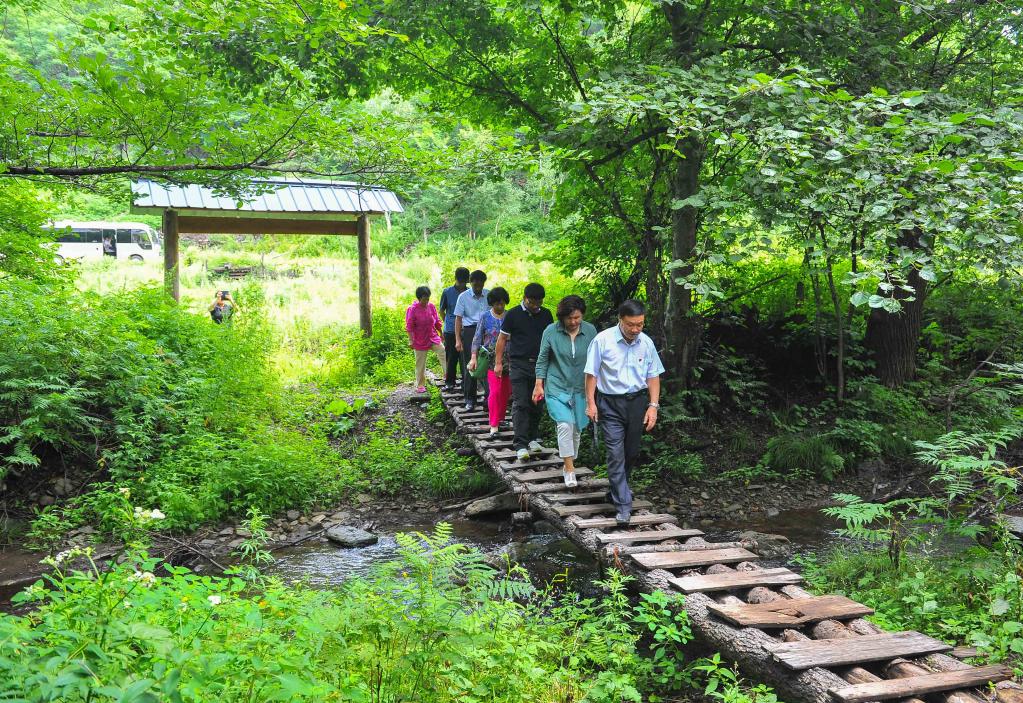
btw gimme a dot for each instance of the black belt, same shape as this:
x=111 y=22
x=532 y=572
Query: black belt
x=628 y=396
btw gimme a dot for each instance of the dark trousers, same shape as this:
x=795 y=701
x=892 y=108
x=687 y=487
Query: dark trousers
x=451 y=371
x=621 y=422
x=470 y=385
x=525 y=413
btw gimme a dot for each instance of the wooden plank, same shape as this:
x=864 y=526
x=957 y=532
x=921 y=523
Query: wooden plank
x=560 y=485
x=603 y=523
x=964 y=652
x=633 y=536
x=593 y=508
x=791 y=613
x=735 y=580
x=171 y=277
x=576 y=497
x=860 y=650
x=916 y=686
x=365 y=292
x=211 y=224
x=525 y=476
x=510 y=454
x=689 y=560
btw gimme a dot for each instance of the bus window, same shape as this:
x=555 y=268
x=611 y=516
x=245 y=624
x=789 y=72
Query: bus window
x=91 y=236
x=141 y=237
x=124 y=236
x=70 y=237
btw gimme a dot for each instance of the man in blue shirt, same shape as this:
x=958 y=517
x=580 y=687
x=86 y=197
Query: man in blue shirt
x=623 y=389
x=469 y=308
x=448 y=299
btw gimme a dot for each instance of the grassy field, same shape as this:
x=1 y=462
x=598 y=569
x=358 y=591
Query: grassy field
x=312 y=302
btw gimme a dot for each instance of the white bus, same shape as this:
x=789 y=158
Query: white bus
x=133 y=241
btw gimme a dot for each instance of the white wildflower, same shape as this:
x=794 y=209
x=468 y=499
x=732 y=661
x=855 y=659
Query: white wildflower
x=214 y=600
x=157 y=514
x=124 y=491
x=146 y=578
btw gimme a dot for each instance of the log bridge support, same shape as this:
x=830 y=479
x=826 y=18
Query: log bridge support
x=811 y=649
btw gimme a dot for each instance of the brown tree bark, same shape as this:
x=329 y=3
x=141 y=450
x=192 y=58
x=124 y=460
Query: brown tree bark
x=684 y=329
x=893 y=338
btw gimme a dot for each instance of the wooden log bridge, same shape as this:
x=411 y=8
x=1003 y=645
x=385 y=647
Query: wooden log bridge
x=810 y=648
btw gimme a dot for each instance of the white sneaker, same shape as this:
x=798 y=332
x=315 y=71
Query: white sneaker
x=535 y=446
x=522 y=455
x=570 y=481
x=493 y=432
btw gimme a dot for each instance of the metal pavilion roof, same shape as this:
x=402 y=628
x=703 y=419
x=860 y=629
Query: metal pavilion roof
x=270 y=195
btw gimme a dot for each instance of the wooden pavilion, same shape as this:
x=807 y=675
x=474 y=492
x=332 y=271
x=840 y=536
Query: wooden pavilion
x=275 y=206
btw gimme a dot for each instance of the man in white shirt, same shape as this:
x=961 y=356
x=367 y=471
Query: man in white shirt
x=623 y=390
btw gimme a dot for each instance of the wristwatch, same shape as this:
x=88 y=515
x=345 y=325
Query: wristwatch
x=655 y=406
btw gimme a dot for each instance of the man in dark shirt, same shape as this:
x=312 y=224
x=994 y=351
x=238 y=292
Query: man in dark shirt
x=522 y=329
x=447 y=310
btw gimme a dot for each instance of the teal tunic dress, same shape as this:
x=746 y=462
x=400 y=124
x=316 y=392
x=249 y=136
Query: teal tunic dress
x=560 y=363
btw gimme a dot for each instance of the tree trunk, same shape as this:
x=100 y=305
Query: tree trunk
x=684 y=330
x=893 y=339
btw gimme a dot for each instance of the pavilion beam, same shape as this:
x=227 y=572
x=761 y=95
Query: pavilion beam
x=365 y=311
x=171 y=279
x=211 y=224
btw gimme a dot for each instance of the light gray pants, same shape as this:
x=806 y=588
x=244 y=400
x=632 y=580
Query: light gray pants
x=568 y=440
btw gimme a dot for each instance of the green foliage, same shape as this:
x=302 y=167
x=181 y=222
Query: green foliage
x=963 y=593
x=183 y=411
x=146 y=631
x=971 y=596
x=343 y=416
x=798 y=456
x=389 y=458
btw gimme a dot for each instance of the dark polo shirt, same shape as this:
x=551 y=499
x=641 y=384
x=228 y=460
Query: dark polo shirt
x=524 y=330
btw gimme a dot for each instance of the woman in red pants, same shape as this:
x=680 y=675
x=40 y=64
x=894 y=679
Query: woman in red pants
x=487 y=331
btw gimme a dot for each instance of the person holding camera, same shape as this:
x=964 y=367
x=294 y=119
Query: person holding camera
x=424 y=329
x=484 y=346
x=223 y=308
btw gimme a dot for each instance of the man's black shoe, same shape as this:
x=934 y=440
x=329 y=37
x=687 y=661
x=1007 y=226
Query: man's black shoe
x=469 y=407
x=448 y=388
x=623 y=517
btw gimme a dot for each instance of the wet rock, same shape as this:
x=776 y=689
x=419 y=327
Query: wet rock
x=363 y=498
x=227 y=531
x=293 y=515
x=504 y=503
x=47 y=500
x=767 y=545
x=235 y=543
x=62 y=487
x=345 y=536
x=543 y=527
x=522 y=518
x=705 y=495
x=242 y=532
x=341 y=516
x=318 y=518
x=773 y=512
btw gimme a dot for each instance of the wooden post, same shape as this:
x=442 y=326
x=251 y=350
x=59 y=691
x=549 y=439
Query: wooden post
x=365 y=312
x=171 y=280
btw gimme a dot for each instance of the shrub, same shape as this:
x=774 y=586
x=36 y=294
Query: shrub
x=796 y=455
x=131 y=386
x=146 y=631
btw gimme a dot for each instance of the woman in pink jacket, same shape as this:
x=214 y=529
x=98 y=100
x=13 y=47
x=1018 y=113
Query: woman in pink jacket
x=424 y=327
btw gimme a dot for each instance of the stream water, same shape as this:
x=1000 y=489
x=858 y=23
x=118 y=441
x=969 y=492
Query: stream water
x=545 y=553
x=548 y=556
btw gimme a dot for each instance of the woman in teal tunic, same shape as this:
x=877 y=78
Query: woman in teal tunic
x=560 y=377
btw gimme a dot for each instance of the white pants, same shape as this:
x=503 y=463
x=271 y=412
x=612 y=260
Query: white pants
x=568 y=440
x=421 y=362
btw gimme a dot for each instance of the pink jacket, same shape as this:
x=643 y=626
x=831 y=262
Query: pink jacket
x=424 y=325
